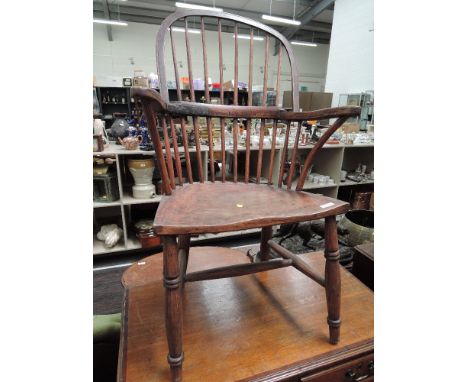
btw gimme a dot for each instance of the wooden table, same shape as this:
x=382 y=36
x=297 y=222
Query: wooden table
x=268 y=326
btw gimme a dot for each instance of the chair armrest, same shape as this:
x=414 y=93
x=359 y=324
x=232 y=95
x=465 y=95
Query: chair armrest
x=150 y=96
x=331 y=112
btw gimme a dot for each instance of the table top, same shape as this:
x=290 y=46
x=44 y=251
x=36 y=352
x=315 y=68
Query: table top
x=238 y=328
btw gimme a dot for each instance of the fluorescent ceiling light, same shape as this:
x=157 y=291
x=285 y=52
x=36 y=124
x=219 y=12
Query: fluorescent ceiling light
x=247 y=37
x=303 y=43
x=177 y=29
x=281 y=20
x=196 y=6
x=112 y=22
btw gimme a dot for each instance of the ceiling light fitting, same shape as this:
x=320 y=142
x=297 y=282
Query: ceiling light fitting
x=196 y=6
x=304 y=43
x=111 y=22
x=189 y=30
x=280 y=20
x=247 y=37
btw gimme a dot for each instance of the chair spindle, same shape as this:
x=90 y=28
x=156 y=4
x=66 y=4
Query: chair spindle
x=294 y=155
x=284 y=155
x=176 y=151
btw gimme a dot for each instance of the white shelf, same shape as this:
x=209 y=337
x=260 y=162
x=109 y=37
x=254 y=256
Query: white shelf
x=308 y=185
x=360 y=145
x=128 y=199
x=348 y=182
x=115 y=149
x=99 y=248
x=106 y=204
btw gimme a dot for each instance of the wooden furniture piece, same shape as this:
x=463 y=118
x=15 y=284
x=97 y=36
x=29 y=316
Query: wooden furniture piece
x=262 y=327
x=210 y=206
x=363 y=264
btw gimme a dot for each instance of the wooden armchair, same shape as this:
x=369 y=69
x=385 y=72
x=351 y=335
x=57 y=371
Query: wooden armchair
x=211 y=205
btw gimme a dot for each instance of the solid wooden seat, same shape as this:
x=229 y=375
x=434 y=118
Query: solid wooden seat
x=221 y=207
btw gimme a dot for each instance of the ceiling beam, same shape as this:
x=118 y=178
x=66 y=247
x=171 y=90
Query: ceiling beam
x=307 y=17
x=146 y=7
x=105 y=8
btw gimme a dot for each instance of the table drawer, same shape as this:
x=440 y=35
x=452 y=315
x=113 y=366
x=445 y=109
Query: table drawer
x=361 y=369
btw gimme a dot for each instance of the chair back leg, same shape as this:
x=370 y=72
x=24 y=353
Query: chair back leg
x=332 y=278
x=173 y=285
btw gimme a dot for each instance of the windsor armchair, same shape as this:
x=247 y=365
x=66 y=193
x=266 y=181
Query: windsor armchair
x=233 y=202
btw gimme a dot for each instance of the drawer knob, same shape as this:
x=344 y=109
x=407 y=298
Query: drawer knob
x=351 y=373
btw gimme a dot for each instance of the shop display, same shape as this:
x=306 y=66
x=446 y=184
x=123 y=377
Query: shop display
x=360 y=175
x=140 y=79
x=110 y=234
x=105 y=185
x=120 y=126
x=145 y=233
x=131 y=143
x=98 y=144
x=360 y=227
x=142 y=172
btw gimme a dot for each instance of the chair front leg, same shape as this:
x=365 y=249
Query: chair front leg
x=173 y=284
x=332 y=278
x=267 y=233
x=184 y=249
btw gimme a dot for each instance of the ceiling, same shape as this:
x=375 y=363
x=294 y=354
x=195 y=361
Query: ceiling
x=316 y=16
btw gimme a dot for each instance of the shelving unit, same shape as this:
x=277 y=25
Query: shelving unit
x=329 y=161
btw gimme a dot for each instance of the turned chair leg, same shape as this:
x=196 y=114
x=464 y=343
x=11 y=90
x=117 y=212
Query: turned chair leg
x=173 y=284
x=184 y=249
x=332 y=278
x=267 y=233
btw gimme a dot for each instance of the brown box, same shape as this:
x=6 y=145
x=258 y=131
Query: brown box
x=309 y=101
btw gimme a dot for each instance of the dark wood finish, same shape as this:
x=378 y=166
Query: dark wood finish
x=176 y=151
x=167 y=146
x=264 y=327
x=183 y=245
x=361 y=369
x=312 y=153
x=292 y=166
x=222 y=207
x=237 y=270
x=176 y=67
x=284 y=155
x=267 y=233
x=332 y=278
x=272 y=152
x=227 y=206
x=247 y=150
x=363 y=264
x=260 y=150
x=168 y=21
x=160 y=162
x=172 y=283
x=236 y=64
x=297 y=262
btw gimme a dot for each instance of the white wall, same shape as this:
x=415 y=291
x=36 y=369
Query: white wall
x=351 y=58
x=137 y=42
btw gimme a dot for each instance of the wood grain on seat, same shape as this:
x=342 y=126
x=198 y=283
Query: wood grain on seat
x=222 y=207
